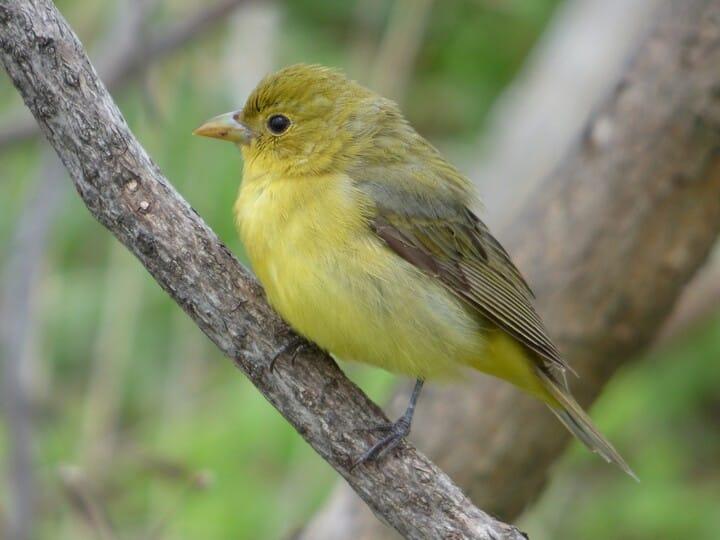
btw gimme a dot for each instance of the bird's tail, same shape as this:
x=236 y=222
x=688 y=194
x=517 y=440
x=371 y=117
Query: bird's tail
x=569 y=412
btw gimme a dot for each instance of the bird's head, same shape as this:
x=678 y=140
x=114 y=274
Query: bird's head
x=303 y=120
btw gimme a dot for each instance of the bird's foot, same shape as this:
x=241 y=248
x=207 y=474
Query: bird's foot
x=395 y=433
x=293 y=347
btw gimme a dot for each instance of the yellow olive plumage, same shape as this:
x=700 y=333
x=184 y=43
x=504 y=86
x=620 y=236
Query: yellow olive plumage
x=365 y=240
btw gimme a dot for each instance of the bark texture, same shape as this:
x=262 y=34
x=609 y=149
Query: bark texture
x=608 y=243
x=126 y=192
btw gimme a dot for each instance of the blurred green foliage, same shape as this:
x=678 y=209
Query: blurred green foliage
x=139 y=415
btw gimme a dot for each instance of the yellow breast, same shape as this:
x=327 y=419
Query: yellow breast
x=328 y=276
x=293 y=229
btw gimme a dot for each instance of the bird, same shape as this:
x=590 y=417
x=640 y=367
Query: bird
x=367 y=241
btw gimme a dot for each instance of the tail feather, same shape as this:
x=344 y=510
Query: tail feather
x=579 y=424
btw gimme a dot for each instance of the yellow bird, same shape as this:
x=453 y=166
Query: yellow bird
x=366 y=243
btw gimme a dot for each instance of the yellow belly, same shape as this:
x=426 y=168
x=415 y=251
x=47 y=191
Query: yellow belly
x=329 y=277
x=337 y=284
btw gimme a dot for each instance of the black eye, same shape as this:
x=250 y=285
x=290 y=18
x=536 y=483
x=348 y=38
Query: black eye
x=278 y=123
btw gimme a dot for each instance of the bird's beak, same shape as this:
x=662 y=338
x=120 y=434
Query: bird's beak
x=228 y=128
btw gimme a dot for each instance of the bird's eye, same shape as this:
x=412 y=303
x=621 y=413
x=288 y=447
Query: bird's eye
x=278 y=124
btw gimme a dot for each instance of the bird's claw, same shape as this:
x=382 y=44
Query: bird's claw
x=397 y=431
x=294 y=347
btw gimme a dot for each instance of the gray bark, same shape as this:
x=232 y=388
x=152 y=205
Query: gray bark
x=126 y=192
x=608 y=242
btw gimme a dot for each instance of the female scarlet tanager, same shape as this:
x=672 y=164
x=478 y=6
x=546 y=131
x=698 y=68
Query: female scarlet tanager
x=364 y=239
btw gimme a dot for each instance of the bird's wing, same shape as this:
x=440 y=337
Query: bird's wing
x=448 y=241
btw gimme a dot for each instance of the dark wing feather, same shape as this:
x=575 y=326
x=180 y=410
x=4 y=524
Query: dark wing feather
x=459 y=250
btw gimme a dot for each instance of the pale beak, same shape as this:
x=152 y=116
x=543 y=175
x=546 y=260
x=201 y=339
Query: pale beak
x=226 y=127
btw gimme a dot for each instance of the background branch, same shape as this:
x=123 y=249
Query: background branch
x=608 y=243
x=17 y=320
x=699 y=301
x=399 y=47
x=116 y=70
x=580 y=57
x=125 y=191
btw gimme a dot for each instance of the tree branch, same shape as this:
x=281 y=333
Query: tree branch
x=17 y=318
x=608 y=243
x=398 y=49
x=545 y=108
x=126 y=192
x=134 y=60
x=699 y=302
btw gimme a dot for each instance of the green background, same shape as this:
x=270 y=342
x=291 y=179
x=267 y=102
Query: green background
x=137 y=411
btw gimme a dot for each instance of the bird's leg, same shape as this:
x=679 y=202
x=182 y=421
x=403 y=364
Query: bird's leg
x=293 y=347
x=396 y=431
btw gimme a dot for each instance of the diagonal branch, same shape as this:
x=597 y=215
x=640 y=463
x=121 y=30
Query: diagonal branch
x=134 y=60
x=126 y=192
